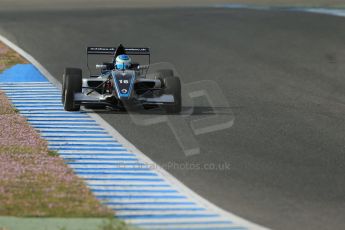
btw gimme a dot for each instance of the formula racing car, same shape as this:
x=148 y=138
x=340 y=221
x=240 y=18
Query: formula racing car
x=121 y=83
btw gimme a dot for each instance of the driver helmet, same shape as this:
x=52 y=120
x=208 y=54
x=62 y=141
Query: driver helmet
x=123 y=61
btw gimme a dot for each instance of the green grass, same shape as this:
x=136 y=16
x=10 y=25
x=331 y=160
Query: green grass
x=15 y=149
x=5 y=106
x=114 y=224
x=15 y=223
x=9 y=58
x=53 y=153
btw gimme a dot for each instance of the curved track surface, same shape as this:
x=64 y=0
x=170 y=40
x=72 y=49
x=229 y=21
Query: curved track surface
x=282 y=74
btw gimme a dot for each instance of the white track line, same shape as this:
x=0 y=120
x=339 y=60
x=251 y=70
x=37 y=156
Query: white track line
x=180 y=220
x=121 y=183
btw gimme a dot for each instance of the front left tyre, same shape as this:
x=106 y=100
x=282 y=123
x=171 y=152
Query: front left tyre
x=173 y=86
x=71 y=84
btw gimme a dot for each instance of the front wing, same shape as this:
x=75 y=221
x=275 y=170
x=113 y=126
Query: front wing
x=81 y=98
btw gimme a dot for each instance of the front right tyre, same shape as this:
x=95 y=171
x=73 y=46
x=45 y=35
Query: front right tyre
x=163 y=73
x=71 y=84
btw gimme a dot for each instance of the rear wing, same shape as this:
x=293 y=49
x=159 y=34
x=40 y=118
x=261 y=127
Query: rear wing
x=112 y=50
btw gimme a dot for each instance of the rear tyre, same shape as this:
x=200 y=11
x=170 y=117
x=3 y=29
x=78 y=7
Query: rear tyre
x=173 y=86
x=72 y=83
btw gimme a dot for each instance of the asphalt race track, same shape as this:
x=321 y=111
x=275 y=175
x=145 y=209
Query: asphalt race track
x=282 y=74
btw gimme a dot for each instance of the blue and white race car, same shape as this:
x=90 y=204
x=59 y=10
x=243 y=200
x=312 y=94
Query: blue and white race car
x=121 y=83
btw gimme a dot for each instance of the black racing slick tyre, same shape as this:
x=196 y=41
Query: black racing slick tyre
x=69 y=72
x=172 y=85
x=71 y=83
x=164 y=73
